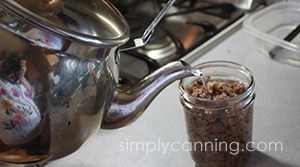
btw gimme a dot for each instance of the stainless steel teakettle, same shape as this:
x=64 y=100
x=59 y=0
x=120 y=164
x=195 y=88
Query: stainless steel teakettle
x=58 y=76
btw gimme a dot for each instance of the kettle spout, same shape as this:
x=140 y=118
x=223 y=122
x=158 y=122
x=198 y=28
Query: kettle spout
x=130 y=102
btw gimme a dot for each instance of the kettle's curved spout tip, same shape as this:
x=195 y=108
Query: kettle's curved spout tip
x=194 y=71
x=185 y=64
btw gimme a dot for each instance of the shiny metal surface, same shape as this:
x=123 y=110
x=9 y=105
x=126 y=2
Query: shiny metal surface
x=130 y=102
x=139 y=42
x=163 y=50
x=70 y=95
x=95 y=22
x=58 y=84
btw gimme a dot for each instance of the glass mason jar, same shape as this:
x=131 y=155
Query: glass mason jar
x=219 y=131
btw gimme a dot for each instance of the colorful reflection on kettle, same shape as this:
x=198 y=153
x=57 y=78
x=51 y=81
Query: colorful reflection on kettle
x=20 y=119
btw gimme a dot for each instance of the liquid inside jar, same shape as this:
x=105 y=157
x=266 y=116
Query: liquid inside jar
x=219 y=131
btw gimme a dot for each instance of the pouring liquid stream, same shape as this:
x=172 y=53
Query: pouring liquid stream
x=199 y=73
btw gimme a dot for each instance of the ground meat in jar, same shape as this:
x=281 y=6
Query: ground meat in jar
x=219 y=136
x=216 y=89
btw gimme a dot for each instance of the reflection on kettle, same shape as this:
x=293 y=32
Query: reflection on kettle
x=70 y=75
x=74 y=89
x=20 y=118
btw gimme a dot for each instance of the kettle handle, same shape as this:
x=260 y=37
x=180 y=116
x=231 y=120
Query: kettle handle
x=142 y=41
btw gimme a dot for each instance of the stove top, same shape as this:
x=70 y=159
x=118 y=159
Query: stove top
x=188 y=26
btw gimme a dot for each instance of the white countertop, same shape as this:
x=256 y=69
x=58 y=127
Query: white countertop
x=276 y=118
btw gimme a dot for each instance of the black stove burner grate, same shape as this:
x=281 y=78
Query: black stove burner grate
x=188 y=24
x=223 y=10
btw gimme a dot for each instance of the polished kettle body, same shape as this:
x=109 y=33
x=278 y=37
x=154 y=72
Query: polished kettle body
x=59 y=77
x=69 y=98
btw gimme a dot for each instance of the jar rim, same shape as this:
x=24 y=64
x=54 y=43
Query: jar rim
x=242 y=69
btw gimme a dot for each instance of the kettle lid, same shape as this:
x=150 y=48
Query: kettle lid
x=95 y=22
